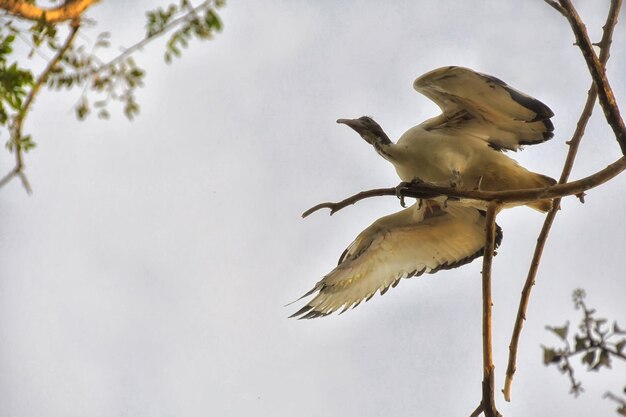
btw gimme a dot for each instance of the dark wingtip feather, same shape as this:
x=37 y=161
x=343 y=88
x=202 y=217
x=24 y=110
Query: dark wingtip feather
x=541 y=110
x=301 y=311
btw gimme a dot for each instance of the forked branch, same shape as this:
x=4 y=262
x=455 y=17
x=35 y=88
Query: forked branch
x=596 y=69
x=18 y=119
x=605 y=45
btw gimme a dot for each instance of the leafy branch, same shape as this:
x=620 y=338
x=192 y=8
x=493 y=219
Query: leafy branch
x=77 y=66
x=596 y=343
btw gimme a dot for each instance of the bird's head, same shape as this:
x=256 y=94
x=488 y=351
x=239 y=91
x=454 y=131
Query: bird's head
x=369 y=130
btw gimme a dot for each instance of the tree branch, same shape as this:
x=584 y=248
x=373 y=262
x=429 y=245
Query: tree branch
x=426 y=190
x=488 y=400
x=574 y=143
x=477 y=411
x=605 y=93
x=18 y=120
x=556 y=6
x=70 y=10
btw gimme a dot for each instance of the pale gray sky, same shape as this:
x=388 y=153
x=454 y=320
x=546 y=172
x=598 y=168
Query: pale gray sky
x=147 y=273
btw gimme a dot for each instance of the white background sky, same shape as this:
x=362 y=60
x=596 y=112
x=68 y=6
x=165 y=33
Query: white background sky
x=147 y=273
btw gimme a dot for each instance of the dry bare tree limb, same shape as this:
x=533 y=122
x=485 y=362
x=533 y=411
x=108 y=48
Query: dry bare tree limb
x=426 y=190
x=488 y=398
x=69 y=10
x=18 y=120
x=477 y=411
x=574 y=143
x=556 y=6
x=605 y=93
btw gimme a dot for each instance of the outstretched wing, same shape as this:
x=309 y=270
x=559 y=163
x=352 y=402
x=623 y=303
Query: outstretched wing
x=486 y=107
x=402 y=245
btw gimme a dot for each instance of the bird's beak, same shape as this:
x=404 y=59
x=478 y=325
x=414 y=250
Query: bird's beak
x=345 y=121
x=353 y=123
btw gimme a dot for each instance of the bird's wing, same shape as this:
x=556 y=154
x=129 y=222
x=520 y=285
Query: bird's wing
x=402 y=245
x=480 y=105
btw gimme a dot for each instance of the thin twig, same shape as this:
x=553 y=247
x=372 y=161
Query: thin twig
x=137 y=46
x=488 y=400
x=18 y=120
x=605 y=93
x=574 y=143
x=419 y=190
x=556 y=6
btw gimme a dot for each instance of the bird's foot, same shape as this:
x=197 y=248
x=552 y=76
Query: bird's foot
x=403 y=186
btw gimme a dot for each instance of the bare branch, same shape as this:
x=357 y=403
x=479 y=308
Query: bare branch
x=488 y=400
x=69 y=10
x=574 y=143
x=477 y=411
x=556 y=6
x=426 y=190
x=605 y=93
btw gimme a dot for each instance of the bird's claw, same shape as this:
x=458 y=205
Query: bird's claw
x=403 y=186
x=399 y=188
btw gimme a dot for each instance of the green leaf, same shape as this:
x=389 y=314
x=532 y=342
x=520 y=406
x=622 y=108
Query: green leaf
x=561 y=332
x=581 y=343
x=603 y=360
x=550 y=356
x=617 y=330
x=589 y=358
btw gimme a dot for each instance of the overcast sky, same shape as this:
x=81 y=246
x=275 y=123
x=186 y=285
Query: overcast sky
x=148 y=272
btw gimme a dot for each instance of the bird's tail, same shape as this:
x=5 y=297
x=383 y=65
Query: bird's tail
x=542 y=181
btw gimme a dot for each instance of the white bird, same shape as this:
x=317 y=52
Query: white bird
x=482 y=116
x=425 y=237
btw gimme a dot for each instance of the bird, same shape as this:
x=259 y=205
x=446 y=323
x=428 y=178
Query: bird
x=423 y=238
x=482 y=117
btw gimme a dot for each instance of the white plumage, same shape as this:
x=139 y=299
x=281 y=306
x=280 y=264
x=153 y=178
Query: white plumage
x=481 y=117
x=409 y=243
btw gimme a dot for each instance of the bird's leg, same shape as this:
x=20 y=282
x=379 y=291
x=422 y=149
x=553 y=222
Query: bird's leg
x=406 y=185
x=399 y=188
x=456 y=180
x=479 y=180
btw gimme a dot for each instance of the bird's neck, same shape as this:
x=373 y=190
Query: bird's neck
x=381 y=142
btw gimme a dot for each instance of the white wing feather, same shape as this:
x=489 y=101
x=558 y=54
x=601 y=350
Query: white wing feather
x=401 y=245
x=486 y=107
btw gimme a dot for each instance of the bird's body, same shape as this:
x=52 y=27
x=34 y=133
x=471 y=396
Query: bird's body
x=482 y=116
x=434 y=157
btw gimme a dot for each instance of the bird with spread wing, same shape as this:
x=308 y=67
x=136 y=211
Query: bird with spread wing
x=482 y=117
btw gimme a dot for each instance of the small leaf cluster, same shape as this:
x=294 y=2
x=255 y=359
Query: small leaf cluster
x=15 y=81
x=595 y=341
x=115 y=81
x=620 y=400
x=201 y=22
